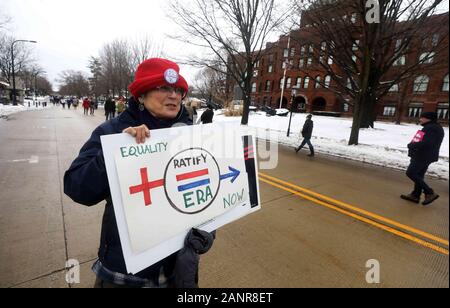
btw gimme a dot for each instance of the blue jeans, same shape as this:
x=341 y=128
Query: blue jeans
x=306 y=142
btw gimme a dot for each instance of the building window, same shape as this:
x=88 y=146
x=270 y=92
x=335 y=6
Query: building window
x=270 y=69
x=355 y=45
x=281 y=83
x=354 y=18
x=354 y=58
x=349 y=84
x=318 y=80
x=306 y=83
x=283 y=65
x=289 y=83
x=327 y=81
x=346 y=107
x=415 y=110
x=299 y=83
x=311 y=48
x=421 y=84
x=268 y=85
x=394 y=88
x=427 y=57
x=286 y=53
x=257 y=64
x=292 y=52
x=255 y=74
x=301 y=63
x=445 y=84
x=389 y=111
x=323 y=46
x=442 y=111
x=303 y=50
x=254 y=87
x=330 y=60
x=321 y=58
x=310 y=61
x=398 y=45
x=401 y=61
x=435 y=40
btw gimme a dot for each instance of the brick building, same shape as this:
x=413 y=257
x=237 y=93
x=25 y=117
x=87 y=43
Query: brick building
x=426 y=92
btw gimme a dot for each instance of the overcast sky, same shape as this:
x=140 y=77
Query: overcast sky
x=70 y=31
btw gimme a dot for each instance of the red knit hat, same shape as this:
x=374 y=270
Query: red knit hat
x=153 y=73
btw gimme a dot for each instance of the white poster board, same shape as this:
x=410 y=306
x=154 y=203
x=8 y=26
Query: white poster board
x=180 y=178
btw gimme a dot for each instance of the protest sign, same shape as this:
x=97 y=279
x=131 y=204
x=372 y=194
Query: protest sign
x=181 y=178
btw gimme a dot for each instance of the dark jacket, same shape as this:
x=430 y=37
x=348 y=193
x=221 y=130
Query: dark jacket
x=428 y=149
x=110 y=106
x=207 y=116
x=308 y=129
x=86 y=183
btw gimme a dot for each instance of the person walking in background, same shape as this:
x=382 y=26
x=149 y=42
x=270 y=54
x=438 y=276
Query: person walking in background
x=92 y=104
x=424 y=150
x=109 y=109
x=121 y=106
x=307 y=135
x=86 y=105
x=207 y=116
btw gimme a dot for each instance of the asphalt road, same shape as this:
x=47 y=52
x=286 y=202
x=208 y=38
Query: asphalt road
x=321 y=221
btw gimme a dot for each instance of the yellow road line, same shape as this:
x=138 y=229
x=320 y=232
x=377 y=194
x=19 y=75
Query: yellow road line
x=363 y=219
x=358 y=210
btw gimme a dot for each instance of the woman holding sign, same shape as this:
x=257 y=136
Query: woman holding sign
x=157 y=92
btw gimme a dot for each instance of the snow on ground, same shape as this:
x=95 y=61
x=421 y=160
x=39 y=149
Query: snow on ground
x=386 y=145
x=6 y=110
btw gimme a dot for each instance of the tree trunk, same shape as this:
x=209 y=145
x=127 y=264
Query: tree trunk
x=247 y=94
x=354 y=137
x=368 y=115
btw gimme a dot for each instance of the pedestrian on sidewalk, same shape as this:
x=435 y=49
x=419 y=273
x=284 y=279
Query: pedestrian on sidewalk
x=109 y=107
x=157 y=92
x=207 y=116
x=86 y=105
x=121 y=106
x=424 y=150
x=307 y=135
x=92 y=104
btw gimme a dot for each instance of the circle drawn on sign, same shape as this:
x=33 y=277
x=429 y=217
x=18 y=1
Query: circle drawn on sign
x=192 y=181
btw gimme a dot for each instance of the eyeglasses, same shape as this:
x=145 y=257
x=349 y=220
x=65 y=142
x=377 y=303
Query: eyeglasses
x=170 y=90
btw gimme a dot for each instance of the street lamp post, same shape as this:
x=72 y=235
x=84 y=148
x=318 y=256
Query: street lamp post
x=12 y=67
x=294 y=94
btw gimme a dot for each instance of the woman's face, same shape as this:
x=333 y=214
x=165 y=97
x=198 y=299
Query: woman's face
x=163 y=103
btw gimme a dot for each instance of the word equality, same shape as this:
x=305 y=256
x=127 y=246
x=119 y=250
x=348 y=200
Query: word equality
x=145 y=149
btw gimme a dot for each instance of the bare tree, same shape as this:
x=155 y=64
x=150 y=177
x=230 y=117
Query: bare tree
x=22 y=57
x=144 y=48
x=372 y=48
x=74 y=83
x=233 y=31
x=210 y=84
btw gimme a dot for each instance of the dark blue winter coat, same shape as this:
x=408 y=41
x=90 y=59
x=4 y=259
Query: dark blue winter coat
x=427 y=151
x=86 y=183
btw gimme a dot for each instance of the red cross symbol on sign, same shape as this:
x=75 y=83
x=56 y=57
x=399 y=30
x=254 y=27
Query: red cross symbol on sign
x=146 y=187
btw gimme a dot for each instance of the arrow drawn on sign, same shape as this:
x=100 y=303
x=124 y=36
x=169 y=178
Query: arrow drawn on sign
x=234 y=175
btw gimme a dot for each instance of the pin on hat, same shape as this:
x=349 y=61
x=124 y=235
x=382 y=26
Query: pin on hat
x=171 y=76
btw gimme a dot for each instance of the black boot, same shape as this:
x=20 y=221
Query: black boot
x=411 y=198
x=430 y=199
